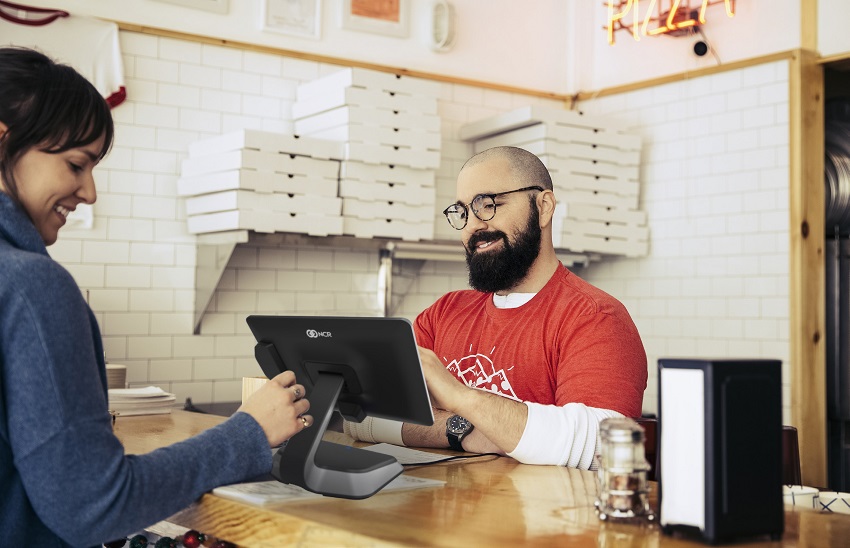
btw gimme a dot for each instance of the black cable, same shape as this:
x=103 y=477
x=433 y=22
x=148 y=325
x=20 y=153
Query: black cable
x=456 y=457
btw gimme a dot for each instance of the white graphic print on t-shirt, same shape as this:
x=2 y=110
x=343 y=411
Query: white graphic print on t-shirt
x=479 y=371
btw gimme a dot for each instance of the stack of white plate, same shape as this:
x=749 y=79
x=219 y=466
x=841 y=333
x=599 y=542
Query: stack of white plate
x=116 y=375
x=150 y=400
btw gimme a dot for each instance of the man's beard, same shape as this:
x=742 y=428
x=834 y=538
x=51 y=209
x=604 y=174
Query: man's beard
x=504 y=269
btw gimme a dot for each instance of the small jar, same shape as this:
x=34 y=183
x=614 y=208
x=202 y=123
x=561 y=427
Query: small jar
x=621 y=473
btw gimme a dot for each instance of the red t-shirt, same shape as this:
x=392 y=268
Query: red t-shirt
x=572 y=342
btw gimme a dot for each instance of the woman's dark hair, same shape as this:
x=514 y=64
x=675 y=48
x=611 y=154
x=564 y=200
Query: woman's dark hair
x=46 y=105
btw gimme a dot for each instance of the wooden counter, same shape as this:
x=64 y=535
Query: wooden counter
x=485 y=502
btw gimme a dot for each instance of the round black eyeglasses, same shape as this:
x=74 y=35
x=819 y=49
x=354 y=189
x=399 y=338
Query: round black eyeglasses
x=483 y=206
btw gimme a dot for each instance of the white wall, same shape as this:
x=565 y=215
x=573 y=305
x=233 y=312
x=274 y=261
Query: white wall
x=833 y=38
x=137 y=262
x=502 y=41
x=557 y=46
x=715 y=180
x=759 y=27
x=714 y=176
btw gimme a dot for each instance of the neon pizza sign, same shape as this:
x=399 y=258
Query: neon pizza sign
x=657 y=17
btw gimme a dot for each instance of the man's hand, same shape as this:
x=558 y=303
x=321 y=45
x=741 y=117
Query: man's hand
x=444 y=388
x=499 y=421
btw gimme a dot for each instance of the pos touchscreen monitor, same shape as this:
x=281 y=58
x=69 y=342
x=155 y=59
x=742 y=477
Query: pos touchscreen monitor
x=358 y=366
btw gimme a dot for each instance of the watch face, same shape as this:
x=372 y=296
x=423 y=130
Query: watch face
x=458 y=424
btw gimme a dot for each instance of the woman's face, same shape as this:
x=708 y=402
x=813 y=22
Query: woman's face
x=50 y=186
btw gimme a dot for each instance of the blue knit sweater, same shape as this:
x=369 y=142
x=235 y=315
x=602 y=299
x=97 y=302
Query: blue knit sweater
x=64 y=477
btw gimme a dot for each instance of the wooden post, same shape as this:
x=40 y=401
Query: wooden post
x=807 y=275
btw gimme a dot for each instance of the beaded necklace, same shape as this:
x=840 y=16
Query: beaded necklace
x=190 y=539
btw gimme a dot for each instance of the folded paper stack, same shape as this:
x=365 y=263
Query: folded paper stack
x=150 y=400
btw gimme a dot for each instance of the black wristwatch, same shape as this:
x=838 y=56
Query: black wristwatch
x=457 y=428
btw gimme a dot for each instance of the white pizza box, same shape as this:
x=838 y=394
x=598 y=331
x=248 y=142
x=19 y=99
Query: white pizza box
x=583 y=151
x=388 y=228
x=562 y=134
x=558 y=165
x=606 y=214
x=602 y=153
x=266 y=221
x=261 y=161
x=604 y=229
x=570 y=196
x=388 y=173
x=392 y=155
x=247 y=199
x=380 y=209
x=546 y=145
x=412 y=194
x=258 y=181
x=537 y=114
x=384 y=135
x=582 y=243
x=554 y=154
x=265 y=141
x=596 y=183
x=332 y=98
x=367 y=78
x=367 y=116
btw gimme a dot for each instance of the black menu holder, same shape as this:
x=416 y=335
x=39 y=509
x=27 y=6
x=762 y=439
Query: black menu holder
x=720 y=447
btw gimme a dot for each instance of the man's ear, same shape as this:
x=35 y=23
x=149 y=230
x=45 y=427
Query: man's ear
x=546 y=204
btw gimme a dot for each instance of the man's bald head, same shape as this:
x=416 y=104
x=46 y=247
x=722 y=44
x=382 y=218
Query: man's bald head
x=526 y=167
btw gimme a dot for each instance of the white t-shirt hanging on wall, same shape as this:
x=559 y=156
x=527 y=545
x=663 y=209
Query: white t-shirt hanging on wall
x=89 y=45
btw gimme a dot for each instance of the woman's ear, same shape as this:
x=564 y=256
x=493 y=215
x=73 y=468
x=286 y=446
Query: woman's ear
x=3 y=129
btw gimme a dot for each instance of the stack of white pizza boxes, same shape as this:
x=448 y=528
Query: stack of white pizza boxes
x=390 y=132
x=595 y=168
x=264 y=182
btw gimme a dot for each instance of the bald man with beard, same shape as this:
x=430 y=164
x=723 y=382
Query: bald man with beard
x=531 y=359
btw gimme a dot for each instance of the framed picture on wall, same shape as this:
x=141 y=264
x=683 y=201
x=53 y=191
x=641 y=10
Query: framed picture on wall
x=389 y=17
x=293 y=17
x=218 y=6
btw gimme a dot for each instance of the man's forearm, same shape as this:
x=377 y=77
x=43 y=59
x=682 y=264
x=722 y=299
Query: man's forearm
x=499 y=424
x=415 y=435
x=499 y=419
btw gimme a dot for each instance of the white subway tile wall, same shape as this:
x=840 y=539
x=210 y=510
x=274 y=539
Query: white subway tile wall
x=715 y=188
x=714 y=184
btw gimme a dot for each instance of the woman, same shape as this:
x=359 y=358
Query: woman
x=64 y=477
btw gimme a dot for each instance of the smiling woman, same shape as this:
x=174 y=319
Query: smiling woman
x=51 y=140
x=56 y=437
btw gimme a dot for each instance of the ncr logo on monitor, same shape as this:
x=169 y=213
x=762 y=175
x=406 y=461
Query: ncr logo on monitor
x=313 y=334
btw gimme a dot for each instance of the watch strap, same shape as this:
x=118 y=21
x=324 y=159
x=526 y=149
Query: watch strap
x=455 y=442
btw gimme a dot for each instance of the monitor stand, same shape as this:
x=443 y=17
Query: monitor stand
x=330 y=468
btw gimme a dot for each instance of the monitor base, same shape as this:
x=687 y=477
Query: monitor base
x=329 y=468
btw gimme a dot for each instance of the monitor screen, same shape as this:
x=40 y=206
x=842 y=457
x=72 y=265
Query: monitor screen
x=360 y=366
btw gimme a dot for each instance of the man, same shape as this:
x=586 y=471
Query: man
x=541 y=355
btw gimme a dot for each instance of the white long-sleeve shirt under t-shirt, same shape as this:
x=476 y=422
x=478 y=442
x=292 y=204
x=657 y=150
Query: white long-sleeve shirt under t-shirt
x=565 y=435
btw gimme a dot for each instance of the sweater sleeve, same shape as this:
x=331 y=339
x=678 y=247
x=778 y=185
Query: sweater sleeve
x=564 y=436
x=74 y=470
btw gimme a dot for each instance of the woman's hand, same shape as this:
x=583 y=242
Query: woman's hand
x=279 y=406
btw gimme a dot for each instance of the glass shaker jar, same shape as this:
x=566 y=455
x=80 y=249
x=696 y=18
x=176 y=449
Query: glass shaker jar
x=622 y=469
